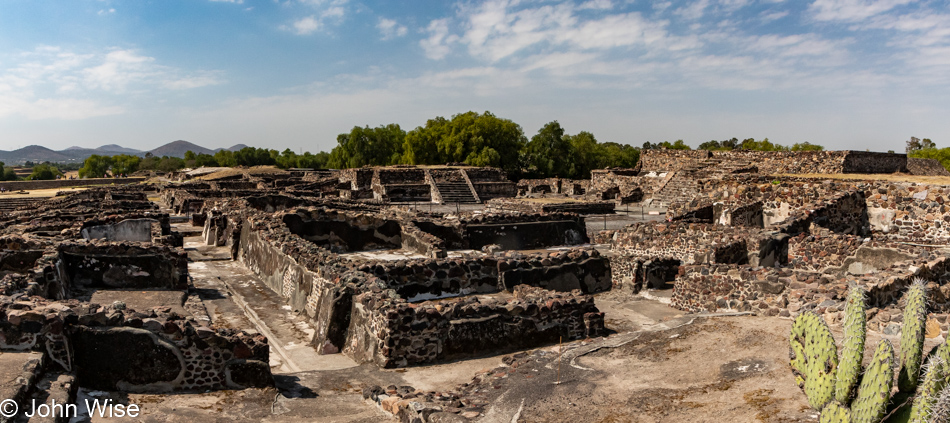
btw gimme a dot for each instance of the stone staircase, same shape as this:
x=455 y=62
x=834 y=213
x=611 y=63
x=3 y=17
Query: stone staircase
x=451 y=186
x=682 y=186
x=456 y=192
x=8 y=205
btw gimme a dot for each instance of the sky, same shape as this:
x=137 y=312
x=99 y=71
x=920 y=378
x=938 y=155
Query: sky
x=846 y=74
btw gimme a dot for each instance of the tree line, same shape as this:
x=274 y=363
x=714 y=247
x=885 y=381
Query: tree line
x=476 y=139
x=927 y=149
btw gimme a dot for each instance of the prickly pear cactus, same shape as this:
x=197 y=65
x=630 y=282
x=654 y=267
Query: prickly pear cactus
x=796 y=352
x=912 y=336
x=814 y=358
x=835 y=413
x=929 y=388
x=875 y=390
x=852 y=353
x=940 y=412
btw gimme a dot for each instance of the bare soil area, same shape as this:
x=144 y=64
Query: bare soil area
x=712 y=370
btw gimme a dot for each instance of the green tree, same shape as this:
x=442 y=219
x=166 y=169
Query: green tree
x=477 y=139
x=806 y=146
x=380 y=146
x=723 y=145
x=619 y=155
x=926 y=149
x=251 y=156
x=677 y=145
x=208 y=160
x=764 y=145
x=95 y=166
x=550 y=153
x=124 y=164
x=587 y=154
x=44 y=171
x=915 y=144
x=313 y=161
x=225 y=158
x=7 y=173
x=170 y=164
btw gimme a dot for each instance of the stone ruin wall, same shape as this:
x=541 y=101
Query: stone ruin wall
x=926 y=167
x=393 y=333
x=332 y=290
x=780 y=162
x=115 y=347
x=873 y=233
x=154 y=350
x=898 y=211
x=620 y=184
x=531 y=207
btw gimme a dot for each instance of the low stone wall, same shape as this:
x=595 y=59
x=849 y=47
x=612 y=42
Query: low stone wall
x=527 y=235
x=926 y=167
x=63 y=183
x=580 y=270
x=787 y=291
x=845 y=213
x=664 y=160
x=344 y=231
x=742 y=288
x=393 y=333
x=115 y=348
x=690 y=243
x=620 y=184
x=528 y=206
x=779 y=162
x=114 y=266
x=489 y=190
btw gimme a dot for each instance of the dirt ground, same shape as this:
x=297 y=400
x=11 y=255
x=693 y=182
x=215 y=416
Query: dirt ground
x=716 y=369
x=36 y=193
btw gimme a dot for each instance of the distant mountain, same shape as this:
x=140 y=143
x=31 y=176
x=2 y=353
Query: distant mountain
x=38 y=154
x=178 y=149
x=118 y=148
x=34 y=153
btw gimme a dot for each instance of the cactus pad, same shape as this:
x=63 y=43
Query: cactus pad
x=875 y=390
x=814 y=358
x=852 y=353
x=912 y=336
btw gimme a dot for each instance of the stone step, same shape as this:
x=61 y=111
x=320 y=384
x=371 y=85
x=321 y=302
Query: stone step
x=456 y=193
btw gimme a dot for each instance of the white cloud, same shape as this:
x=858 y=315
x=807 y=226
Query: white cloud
x=229 y=1
x=438 y=44
x=390 y=29
x=306 y=26
x=50 y=82
x=497 y=29
x=773 y=16
x=103 y=12
x=333 y=12
x=327 y=12
x=694 y=11
x=596 y=5
x=852 y=10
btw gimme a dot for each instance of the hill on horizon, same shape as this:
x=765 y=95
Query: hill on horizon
x=39 y=154
x=179 y=148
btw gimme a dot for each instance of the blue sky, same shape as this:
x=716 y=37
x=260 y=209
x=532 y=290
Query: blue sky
x=847 y=74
